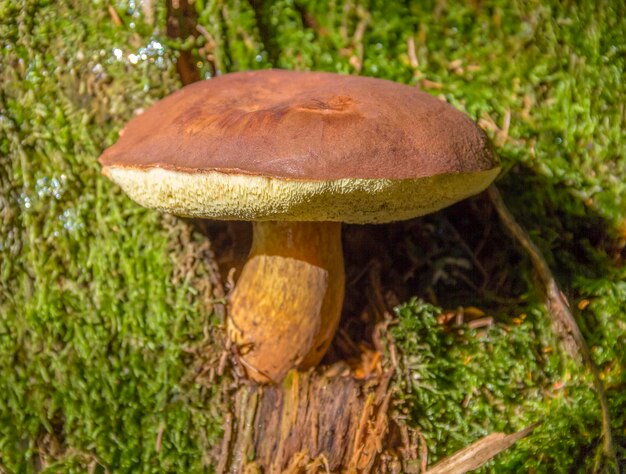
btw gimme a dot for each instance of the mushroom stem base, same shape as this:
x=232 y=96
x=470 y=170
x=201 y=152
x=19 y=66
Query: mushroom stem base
x=286 y=306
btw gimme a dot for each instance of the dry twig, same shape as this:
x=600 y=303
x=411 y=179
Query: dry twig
x=478 y=453
x=563 y=321
x=228 y=431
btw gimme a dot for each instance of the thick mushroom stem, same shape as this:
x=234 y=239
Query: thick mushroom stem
x=286 y=305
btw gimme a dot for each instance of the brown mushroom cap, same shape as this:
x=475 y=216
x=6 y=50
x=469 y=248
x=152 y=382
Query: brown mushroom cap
x=281 y=145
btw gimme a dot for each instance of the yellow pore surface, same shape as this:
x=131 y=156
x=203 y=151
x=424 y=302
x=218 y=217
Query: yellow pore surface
x=216 y=195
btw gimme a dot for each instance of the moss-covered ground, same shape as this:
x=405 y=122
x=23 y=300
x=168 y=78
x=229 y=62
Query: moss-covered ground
x=103 y=305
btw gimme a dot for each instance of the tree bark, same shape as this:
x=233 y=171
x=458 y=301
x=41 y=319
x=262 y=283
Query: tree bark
x=314 y=422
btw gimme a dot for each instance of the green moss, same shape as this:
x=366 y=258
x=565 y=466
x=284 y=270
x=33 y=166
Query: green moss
x=457 y=385
x=92 y=332
x=91 y=328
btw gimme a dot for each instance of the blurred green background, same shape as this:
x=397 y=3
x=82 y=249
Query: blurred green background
x=103 y=304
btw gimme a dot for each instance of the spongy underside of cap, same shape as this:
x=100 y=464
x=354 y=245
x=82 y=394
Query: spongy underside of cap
x=223 y=196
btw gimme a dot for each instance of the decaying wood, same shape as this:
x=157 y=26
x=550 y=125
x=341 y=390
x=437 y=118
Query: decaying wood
x=563 y=321
x=312 y=423
x=315 y=423
x=478 y=453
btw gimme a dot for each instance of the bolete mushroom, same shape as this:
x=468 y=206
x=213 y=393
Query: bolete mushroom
x=297 y=153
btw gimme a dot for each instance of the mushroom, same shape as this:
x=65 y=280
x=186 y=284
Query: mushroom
x=297 y=153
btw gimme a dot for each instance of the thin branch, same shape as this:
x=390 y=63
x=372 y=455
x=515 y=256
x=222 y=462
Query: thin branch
x=224 y=454
x=563 y=321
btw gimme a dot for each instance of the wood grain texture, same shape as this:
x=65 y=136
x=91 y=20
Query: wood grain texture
x=313 y=422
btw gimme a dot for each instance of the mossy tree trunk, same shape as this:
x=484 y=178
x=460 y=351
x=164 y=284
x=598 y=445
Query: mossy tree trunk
x=111 y=316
